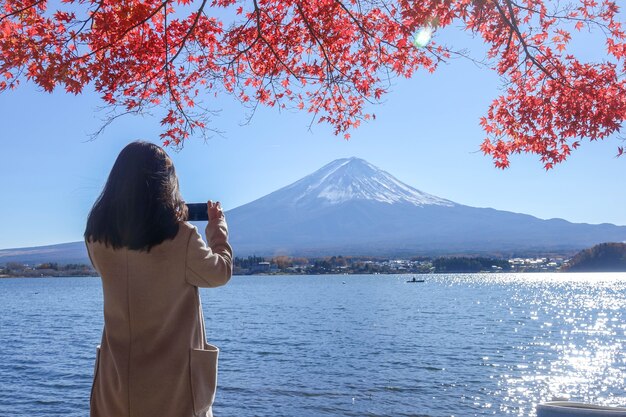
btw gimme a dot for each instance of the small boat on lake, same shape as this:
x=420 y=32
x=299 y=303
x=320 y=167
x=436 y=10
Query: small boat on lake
x=574 y=409
x=415 y=280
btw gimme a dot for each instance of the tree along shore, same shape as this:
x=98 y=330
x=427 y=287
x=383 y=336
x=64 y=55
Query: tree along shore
x=605 y=257
x=254 y=265
x=47 y=269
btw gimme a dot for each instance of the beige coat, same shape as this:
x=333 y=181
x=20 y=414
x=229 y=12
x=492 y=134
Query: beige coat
x=153 y=360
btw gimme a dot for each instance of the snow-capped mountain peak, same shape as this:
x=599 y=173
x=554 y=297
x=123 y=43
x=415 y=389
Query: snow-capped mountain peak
x=350 y=207
x=356 y=179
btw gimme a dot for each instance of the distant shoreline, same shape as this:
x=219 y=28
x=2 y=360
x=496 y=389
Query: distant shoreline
x=408 y=275
x=4 y=276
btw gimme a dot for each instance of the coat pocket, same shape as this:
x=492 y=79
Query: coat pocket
x=203 y=374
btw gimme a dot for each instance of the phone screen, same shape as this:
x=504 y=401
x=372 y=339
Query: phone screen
x=197 y=212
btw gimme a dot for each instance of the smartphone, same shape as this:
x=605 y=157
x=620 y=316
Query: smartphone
x=197 y=212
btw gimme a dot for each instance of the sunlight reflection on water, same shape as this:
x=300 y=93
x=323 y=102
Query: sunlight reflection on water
x=577 y=347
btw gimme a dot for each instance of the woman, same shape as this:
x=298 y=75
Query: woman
x=153 y=360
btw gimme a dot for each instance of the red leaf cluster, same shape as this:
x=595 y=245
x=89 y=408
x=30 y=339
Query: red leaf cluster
x=330 y=57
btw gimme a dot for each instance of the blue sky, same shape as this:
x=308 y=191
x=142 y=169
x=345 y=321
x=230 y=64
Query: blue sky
x=426 y=134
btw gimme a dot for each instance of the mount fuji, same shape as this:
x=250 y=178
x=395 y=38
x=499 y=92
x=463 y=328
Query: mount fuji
x=351 y=207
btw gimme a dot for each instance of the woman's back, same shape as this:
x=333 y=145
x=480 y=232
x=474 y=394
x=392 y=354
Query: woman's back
x=153 y=359
x=153 y=324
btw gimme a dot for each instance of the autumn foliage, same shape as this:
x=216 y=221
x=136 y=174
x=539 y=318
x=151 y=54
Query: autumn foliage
x=328 y=57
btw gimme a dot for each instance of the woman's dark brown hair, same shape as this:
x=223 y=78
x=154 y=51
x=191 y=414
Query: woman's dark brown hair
x=140 y=205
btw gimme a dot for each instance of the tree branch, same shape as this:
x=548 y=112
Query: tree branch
x=23 y=9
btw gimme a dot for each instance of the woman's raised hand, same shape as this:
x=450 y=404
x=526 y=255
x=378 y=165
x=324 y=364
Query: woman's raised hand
x=214 y=210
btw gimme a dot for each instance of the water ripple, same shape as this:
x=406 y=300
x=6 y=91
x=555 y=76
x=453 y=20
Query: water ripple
x=459 y=345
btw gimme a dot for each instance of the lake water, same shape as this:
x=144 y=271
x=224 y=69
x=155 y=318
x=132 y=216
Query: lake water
x=455 y=345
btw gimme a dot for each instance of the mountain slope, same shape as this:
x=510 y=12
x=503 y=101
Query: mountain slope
x=63 y=253
x=605 y=257
x=351 y=207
